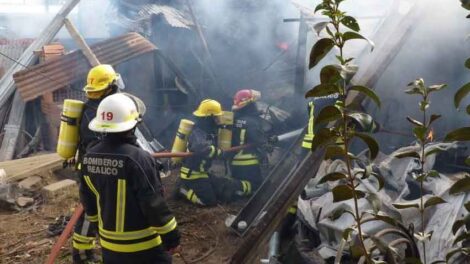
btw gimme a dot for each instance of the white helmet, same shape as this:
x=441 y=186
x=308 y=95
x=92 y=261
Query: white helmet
x=117 y=113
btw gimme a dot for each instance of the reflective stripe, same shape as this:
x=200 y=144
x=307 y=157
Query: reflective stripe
x=92 y=218
x=191 y=196
x=120 y=205
x=194 y=175
x=128 y=235
x=201 y=166
x=92 y=188
x=83 y=239
x=127 y=248
x=292 y=210
x=211 y=154
x=168 y=227
x=308 y=138
x=242 y=137
x=83 y=246
x=244 y=162
x=79 y=166
x=246 y=187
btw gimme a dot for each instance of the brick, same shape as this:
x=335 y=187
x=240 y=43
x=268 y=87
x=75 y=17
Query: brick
x=31 y=183
x=59 y=188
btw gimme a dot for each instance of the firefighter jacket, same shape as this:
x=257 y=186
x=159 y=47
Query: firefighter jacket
x=247 y=130
x=308 y=137
x=86 y=135
x=203 y=143
x=121 y=189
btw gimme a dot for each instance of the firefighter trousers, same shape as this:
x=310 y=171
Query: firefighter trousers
x=156 y=255
x=249 y=178
x=199 y=191
x=83 y=240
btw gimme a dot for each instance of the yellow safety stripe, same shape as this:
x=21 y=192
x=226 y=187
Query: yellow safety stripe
x=120 y=205
x=308 y=137
x=92 y=188
x=242 y=136
x=292 y=210
x=128 y=235
x=244 y=162
x=79 y=166
x=213 y=151
x=83 y=246
x=246 y=187
x=184 y=174
x=92 y=218
x=168 y=227
x=307 y=145
x=128 y=248
x=82 y=239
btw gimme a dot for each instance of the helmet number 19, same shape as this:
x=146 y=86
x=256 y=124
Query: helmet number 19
x=107 y=116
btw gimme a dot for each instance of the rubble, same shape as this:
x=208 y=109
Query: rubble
x=24 y=201
x=31 y=183
x=59 y=188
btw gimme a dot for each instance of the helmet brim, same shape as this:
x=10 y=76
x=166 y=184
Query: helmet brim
x=101 y=127
x=95 y=88
x=201 y=114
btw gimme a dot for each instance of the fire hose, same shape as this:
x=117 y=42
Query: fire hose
x=79 y=209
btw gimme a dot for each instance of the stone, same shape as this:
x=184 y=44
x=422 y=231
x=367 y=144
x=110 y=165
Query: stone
x=31 y=183
x=24 y=201
x=59 y=188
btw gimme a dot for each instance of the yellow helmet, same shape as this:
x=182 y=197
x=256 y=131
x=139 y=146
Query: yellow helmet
x=208 y=107
x=100 y=77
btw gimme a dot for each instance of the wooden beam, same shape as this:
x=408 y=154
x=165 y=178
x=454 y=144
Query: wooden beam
x=7 y=85
x=300 y=61
x=81 y=43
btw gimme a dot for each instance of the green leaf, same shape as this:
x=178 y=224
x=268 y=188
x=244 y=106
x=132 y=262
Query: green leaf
x=467 y=63
x=437 y=87
x=460 y=134
x=371 y=144
x=407 y=154
x=420 y=236
x=319 y=27
x=368 y=92
x=350 y=22
x=333 y=152
x=320 y=50
x=320 y=7
x=330 y=75
x=467 y=109
x=374 y=201
x=433 y=201
x=457 y=225
x=433 y=150
x=334 y=176
x=338 y=212
x=328 y=114
x=467 y=206
x=347 y=233
x=413 y=260
x=436 y=262
x=345 y=192
x=354 y=35
x=433 y=118
x=414 y=90
x=386 y=219
x=385 y=249
x=380 y=180
x=462 y=185
x=364 y=120
x=420 y=133
x=405 y=205
x=461 y=237
x=322 y=90
x=453 y=252
x=324 y=136
x=460 y=94
x=433 y=174
x=467 y=161
x=414 y=121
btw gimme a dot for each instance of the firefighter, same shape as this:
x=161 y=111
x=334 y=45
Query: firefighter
x=102 y=81
x=121 y=188
x=308 y=137
x=245 y=165
x=197 y=185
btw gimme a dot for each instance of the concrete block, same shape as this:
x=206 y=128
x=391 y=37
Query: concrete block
x=31 y=183
x=24 y=201
x=59 y=188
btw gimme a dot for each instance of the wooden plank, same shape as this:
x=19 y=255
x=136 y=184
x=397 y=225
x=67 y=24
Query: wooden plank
x=23 y=168
x=81 y=43
x=7 y=86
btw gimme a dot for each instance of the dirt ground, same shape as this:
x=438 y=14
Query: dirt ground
x=205 y=238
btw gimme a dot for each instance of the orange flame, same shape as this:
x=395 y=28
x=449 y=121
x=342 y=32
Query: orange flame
x=431 y=135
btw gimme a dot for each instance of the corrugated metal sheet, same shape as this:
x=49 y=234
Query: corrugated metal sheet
x=142 y=13
x=59 y=72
